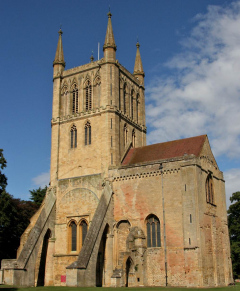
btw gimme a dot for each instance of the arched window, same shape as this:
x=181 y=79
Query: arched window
x=73 y=137
x=73 y=236
x=88 y=96
x=124 y=98
x=88 y=133
x=125 y=132
x=132 y=109
x=209 y=189
x=153 y=232
x=83 y=231
x=75 y=99
x=133 y=138
x=137 y=107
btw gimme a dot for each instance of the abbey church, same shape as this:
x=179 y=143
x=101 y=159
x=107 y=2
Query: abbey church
x=118 y=212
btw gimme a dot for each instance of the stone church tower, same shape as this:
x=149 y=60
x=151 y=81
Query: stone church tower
x=118 y=212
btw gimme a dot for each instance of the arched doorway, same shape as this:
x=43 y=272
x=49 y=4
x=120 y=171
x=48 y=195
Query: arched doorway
x=101 y=259
x=42 y=265
x=129 y=271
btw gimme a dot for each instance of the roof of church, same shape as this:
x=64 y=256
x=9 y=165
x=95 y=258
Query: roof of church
x=165 y=150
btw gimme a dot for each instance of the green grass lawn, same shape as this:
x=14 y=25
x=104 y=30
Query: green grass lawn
x=15 y=288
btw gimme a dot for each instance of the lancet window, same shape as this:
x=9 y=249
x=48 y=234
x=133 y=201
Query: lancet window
x=209 y=189
x=153 y=232
x=73 y=133
x=124 y=98
x=73 y=236
x=132 y=109
x=137 y=107
x=133 y=138
x=77 y=233
x=125 y=132
x=88 y=96
x=88 y=133
x=75 y=99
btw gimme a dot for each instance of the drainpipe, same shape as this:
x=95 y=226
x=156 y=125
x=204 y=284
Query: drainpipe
x=164 y=227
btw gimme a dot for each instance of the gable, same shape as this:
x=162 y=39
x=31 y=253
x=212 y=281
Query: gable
x=166 y=150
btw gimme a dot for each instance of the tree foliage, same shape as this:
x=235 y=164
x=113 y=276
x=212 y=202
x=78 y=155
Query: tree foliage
x=234 y=232
x=3 y=178
x=38 y=195
x=15 y=216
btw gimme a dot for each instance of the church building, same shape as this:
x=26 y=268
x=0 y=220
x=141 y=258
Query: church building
x=119 y=212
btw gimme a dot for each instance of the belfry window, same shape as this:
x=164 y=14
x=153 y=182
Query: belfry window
x=88 y=133
x=153 y=232
x=209 y=189
x=88 y=96
x=73 y=136
x=75 y=99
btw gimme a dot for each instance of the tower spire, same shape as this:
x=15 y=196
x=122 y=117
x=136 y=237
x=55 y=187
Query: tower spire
x=109 y=46
x=59 y=57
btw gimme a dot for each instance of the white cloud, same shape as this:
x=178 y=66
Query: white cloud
x=232 y=179
x=203 y=93
x=42 y=180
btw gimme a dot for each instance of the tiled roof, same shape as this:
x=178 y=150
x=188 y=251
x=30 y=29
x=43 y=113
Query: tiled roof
x=165 y=150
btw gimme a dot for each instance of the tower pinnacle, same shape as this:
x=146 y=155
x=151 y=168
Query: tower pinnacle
x=59 y=58
x=109 y=44
x=138 y=67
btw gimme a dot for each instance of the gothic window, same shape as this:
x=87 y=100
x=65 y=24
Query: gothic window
x=124 y=98
x=153 y=232
x=75 y=99
x=132 y=92
x=125 y=132
x=88 y=96
x=83 y=231
x=133 y=138
x=88 y=133
x=73 y=132
x=209 y=190
x=137 y=107
x=73 y=236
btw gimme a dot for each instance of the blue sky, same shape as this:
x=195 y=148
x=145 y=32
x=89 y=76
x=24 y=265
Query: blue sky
x=190 y=51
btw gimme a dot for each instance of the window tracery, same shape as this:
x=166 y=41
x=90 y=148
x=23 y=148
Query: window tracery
x=88 y=92
x=75 y=99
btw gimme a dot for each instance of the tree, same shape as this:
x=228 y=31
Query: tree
x=38 y=195
x=3 y=178
x=234 y=232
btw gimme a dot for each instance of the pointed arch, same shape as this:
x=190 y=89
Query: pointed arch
x=73 y=136
x=153 y=231
x=64 y=99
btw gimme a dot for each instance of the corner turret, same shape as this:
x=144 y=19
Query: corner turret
x=138 y=67
x=59 y=63
x=109 y=47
